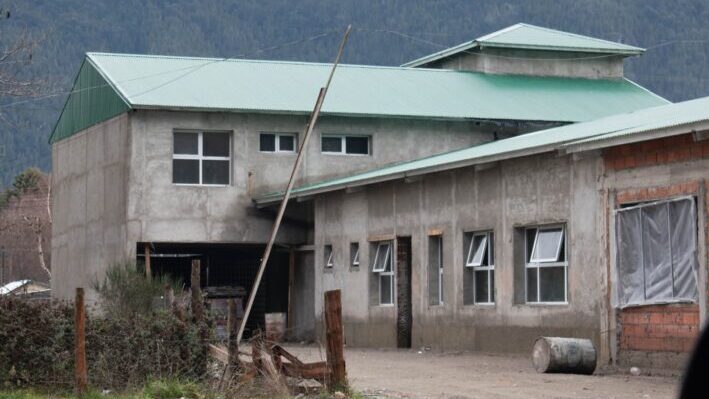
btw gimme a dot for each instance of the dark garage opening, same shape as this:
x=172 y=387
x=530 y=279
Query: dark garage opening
x=226 y=268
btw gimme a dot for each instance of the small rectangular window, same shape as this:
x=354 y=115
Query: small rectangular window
x=354 y=254
x=546 y=267
x=480 y=267
x=382 y=266
x=278 y=142
x=329 y=256
x=435 y=270
x=343 y=144
x=201 y=158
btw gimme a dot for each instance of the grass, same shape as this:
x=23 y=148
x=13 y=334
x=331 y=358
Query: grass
x=162 y=389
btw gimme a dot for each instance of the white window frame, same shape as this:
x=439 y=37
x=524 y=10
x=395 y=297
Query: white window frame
x=277 y=143
x=343 y=144
x=354 y=260
x=536 y=259
x=329 y=261
x=478 y=266
x=539 y=264
x=199 y=157
x=382 y=271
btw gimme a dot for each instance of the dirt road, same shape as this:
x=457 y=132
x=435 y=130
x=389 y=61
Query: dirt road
x=408 y=374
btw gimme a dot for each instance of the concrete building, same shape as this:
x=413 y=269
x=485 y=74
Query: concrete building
x=595 y=230
x=162 y=157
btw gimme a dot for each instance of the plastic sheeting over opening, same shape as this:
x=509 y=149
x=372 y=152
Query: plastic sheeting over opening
x=656 y=259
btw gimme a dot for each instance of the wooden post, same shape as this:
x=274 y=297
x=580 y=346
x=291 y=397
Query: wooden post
x=148 y=271
x=81 y=374
x=335 y=340
x=233 y=346
x=196 y=290
x=291 y=293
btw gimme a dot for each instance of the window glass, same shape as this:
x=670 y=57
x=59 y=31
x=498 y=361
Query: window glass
x=185 y=171
x=481 y=286
x=186 y=143
x=267 y=142
x=354 y=254
x=381 y=259
x=552 y=285
x=385 y=290
x=478 y=250
x=357 y=145
x=331 y=144
x=215 y=172
x=547 y=245
x=215 y=144
x=532 y=285
x=286 y=143
x=329 y=261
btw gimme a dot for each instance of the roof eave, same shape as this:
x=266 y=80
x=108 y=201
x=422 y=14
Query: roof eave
x=625 y=52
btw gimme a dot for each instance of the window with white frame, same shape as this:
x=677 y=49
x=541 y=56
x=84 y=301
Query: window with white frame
x=656 y=252
x=202 y=158
x=354 y=254
x=329 y=257
x=278 y=142
x=480 y=260
x=546 y=266
x=435 y=270
x=382 y=267
x=342 y=144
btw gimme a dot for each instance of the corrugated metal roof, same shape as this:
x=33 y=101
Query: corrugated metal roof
x=560 y=138
x=525 y=36
x=292 y=87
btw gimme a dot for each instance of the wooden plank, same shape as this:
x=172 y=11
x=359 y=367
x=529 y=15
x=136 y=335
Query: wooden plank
x=335 y=340
x=196 y=291
x=233 y=348
x=381 y=237
x=434 y=232
x=148 y=270
x=291 y=293
x=81 y=373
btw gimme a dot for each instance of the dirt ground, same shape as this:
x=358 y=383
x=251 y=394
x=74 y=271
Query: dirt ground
x=410 y=374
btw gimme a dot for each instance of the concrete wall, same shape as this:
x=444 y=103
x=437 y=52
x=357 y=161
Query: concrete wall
x=161 y=211
x=520 y=192
x=89 y=186
x=535 y=62
x=657 y=336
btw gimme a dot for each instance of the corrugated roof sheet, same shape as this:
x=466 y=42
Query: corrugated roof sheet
x=525 y=36
x=292 y=87
x=564 y=137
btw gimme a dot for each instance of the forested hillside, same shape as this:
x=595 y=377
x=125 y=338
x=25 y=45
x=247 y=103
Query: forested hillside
x=387 y=32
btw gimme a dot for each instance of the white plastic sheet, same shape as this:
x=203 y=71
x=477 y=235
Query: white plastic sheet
x=656 y=253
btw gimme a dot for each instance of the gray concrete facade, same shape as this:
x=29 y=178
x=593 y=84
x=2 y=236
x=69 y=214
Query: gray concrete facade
x=536 y=62
x=537 y=190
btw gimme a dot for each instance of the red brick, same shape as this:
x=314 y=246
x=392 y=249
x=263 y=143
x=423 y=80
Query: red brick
x=705 y=149
x=629 y=161
x=696 y=151
x=619 y=163
x=651 y=158
x=662 y=157
x=685 y=154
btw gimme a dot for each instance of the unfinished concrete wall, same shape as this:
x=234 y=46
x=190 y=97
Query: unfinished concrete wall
x=159 y=210
x=535 y=62
x=516 y=193
x=89 y=187
x=657 y=336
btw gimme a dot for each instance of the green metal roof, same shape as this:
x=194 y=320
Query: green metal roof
x=564 y=138
x=530 y=37
x=210 y=84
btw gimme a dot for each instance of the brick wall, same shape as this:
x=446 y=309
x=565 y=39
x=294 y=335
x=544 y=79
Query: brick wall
x=654 y=152
x=659 y=328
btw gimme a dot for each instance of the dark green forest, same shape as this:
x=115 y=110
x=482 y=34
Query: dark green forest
x=386 y=32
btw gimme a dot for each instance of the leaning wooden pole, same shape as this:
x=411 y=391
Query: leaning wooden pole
x=80 y=372
x=298 y=160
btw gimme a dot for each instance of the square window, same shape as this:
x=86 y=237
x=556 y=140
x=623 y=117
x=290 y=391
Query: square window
x=267 y=142
x=545 y=265
x=547 y=245
x=382 y=259
x=477 y=251
x=186 y=143
x=331 y=144
x=357 y=145
x=185 y=171
x=215 y=144
x=286 y=143
x=215 y=172
x=329 y=260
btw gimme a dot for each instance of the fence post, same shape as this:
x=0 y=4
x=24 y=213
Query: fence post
x=81 y=374
x=335 y=340
x=197 y=311
x=233 y=347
